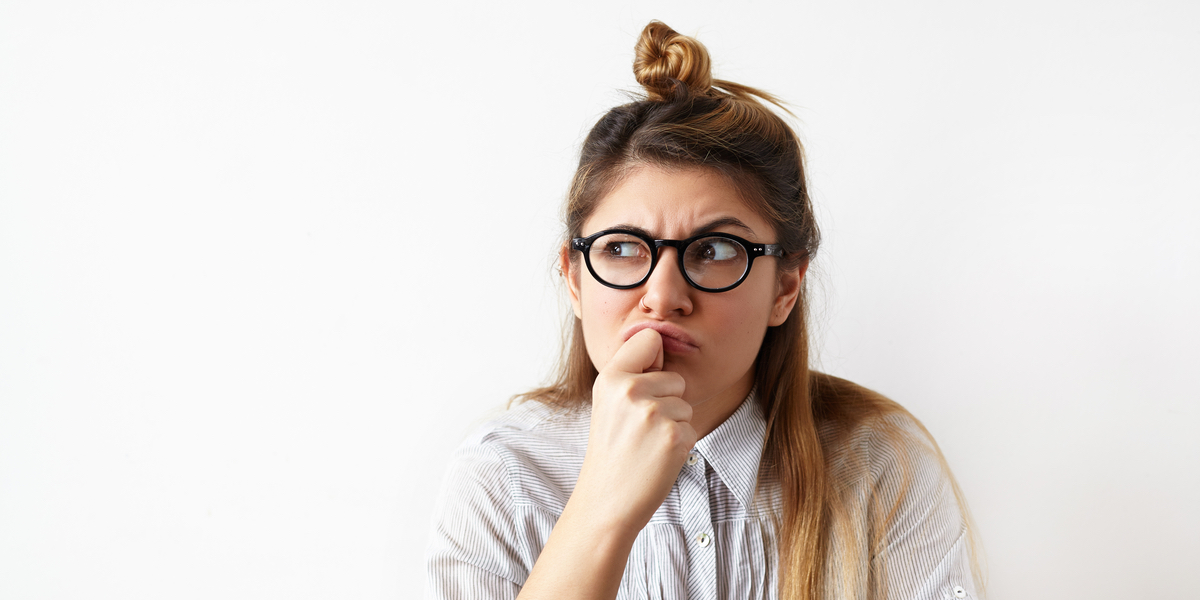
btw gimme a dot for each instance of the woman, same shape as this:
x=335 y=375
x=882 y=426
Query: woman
x=686 y=450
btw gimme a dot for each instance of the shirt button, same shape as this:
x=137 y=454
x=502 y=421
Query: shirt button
x=693 y=459
x=959 y=592
x=704 y=540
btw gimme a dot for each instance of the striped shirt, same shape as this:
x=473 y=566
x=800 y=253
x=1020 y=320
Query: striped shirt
x=713 y=537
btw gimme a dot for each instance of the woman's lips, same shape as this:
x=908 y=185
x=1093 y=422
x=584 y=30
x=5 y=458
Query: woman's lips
x=675 y=346
x=674 y=339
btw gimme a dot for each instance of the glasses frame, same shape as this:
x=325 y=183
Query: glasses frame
x=753 y=251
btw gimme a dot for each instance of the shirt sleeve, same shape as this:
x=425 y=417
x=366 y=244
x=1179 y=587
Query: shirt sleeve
x=473 y=551
x=926 y=553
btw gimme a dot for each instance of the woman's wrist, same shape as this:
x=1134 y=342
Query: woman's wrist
x=601 y=522
x=584 y=557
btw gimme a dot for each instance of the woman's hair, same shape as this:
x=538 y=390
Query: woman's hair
x=690 y=120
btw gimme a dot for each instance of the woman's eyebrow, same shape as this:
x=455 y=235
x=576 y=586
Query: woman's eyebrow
x=706 y=228
x=633 y=228
x=723 y=222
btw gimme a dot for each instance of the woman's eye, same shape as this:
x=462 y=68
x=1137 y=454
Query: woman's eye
x=718 y=250
x=622 y=249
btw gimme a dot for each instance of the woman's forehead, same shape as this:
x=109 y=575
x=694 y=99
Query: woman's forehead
x=675 y=203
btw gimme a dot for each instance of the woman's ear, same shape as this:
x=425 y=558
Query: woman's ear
x=572 y=276
x=788 y=291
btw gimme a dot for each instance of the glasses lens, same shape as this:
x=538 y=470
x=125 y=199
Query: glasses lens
x=620 y=258
x=715 y=262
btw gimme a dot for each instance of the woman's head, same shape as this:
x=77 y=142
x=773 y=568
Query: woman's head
x=692 y=130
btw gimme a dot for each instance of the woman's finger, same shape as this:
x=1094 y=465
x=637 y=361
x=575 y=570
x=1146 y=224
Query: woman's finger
x=641 y=353
x=659 y=384
x=674 y=408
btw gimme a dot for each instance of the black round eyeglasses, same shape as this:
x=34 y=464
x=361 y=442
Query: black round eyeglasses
x=710 y=262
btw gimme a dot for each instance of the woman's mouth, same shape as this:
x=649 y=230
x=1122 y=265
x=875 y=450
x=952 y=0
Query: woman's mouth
x=674 y=339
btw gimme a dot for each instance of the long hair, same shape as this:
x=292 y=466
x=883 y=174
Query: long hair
x=688 y=119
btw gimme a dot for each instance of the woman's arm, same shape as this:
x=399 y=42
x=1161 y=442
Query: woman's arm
x=926 y=549
x=584 y=558
x=486 y=543
x=638 y=440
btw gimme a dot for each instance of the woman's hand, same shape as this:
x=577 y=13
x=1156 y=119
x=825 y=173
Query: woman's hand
x=639 y=439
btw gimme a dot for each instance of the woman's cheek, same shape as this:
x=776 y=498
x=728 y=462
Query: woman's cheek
x=603 y=321
x=601 y=343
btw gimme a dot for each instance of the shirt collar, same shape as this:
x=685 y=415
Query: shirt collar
x=734 y=449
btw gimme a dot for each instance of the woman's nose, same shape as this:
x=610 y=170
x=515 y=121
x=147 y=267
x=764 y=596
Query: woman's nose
x=667 y=292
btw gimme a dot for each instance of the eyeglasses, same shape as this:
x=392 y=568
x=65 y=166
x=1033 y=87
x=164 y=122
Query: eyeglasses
x=710 y=262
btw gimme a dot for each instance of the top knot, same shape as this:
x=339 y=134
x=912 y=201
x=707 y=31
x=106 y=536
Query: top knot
x=663 y=55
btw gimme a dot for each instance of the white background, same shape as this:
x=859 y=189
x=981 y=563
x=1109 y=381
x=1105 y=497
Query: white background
x=264 y=264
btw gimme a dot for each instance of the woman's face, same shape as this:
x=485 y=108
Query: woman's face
x=711 y=339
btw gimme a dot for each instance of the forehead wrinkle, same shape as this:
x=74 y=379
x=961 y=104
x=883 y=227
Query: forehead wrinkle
x=658 y=208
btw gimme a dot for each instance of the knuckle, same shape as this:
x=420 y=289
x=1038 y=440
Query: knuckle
x=676 y=381
x=604 y=380
x=629 y=387
x=686 y=409
x=651 y=410
x=674 y=437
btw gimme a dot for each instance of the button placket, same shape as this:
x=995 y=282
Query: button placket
x=698 y=528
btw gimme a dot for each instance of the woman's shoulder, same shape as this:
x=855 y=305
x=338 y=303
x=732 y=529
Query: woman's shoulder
x=884 y=462
x=863 y=431
x=503 y=489
x=530 y=454
x=533 y=423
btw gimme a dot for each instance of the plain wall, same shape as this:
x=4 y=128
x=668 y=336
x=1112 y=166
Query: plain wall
x=263 y=265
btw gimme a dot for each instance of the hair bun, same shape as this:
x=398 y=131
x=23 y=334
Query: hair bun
x=662 y=54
